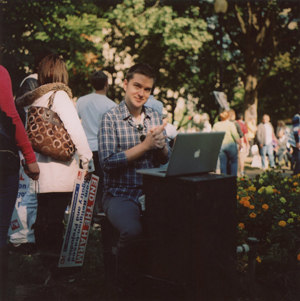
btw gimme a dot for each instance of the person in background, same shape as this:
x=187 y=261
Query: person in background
x=23 y=240
x=228 y=151
x=131 y=137
x=13 y=137
x=281 y=126
x=57 y=177
x=243 y=151
x=205 y=122
x=154 y=103
x=296 y=148
x=265 y=136
x=281 y=152
x=90 y=109
x=252 y=129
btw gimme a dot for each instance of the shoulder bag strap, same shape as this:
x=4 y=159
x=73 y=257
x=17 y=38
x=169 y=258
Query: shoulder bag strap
x=51 y=99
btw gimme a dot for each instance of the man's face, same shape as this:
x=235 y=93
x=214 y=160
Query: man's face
x=265 y=119
x=137 y=91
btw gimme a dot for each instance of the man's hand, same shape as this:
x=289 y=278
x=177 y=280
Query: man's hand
x=155 y=137
x=32 y=170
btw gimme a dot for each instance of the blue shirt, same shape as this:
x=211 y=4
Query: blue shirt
x=117 y=133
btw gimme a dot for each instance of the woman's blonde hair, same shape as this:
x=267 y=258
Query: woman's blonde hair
x=52 y=69
x=224 y=115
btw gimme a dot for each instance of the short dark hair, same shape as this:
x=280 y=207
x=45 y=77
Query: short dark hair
x=52 y=69
x=239 y=115
x=98 y=80
x=141 y=68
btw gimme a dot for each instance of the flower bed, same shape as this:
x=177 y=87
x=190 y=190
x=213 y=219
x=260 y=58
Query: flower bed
x=268 y=208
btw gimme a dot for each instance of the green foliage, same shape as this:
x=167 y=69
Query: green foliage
x=66 y=27
x=269 y=209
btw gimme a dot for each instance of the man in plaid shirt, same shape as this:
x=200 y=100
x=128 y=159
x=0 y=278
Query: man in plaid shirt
x=131 y=136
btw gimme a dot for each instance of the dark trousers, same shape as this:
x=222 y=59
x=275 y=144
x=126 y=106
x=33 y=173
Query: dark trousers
x=296 y=157
x=124 y=215
x=98 y=202
x=9 y=185
x=49 y=227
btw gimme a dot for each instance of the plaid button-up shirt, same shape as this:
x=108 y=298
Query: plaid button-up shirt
x=118 y=132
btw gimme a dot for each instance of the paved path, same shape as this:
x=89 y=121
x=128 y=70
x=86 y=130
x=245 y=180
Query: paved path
x=252 y=172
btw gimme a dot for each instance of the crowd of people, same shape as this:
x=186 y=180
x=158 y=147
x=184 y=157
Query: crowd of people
x=111 y=141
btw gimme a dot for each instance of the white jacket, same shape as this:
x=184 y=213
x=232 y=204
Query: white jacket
x=55 y=175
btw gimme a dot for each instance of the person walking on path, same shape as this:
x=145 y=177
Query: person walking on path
x=296 y=148
x=252 y=129
x=265 y=136
x=90 y=109
x=243 y=151
x=229 y=150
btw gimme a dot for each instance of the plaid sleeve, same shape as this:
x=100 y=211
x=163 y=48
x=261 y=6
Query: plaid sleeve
x=110 y=158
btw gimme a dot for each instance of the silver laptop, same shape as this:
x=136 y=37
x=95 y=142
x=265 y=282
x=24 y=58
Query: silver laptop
x=193 y=153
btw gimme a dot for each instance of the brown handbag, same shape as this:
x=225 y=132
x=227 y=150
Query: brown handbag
x=47 y=133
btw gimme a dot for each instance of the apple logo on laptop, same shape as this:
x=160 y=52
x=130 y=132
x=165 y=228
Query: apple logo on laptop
x=197 y=153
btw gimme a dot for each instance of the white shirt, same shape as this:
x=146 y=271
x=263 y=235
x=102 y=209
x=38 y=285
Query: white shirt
x=269 y=132
x=90 y=109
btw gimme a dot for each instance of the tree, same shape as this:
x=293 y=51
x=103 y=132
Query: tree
x=150 y=32
x=263 y=34
x=68 y=27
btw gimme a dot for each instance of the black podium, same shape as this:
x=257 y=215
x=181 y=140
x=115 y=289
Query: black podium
x=190 y=239
x=191 y=226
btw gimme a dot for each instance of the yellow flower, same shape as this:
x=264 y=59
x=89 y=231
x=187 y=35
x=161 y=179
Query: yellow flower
x=251 y=207
x=282 y=223
x=269 y=189
x=241 y=225
x=265 y=207
x=258 y=259
x=252 y=215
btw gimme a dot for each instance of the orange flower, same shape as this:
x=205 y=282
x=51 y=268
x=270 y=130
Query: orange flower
x=259 y=212
x=244 y=199
x=251 y=207
x=295 y=183
x=274 y=190
x=237 y=197
x=241 y=225
x=252 y=215
x=242 y=179
x=282 y=223
x=261 y=200
x=265 y=207
x=278 y=192
x=298 y=257
x=246 y=204
x=258 y=259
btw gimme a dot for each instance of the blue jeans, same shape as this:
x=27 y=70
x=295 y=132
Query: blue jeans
x=9 y=185
x=228 y=152
x=267 y=149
